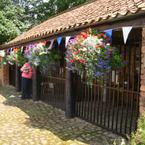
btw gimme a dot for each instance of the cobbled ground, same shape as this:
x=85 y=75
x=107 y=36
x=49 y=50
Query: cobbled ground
x=25 y=122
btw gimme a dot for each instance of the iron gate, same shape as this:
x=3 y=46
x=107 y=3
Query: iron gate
x=53 y=87
x=53 y=82
x=114 y=105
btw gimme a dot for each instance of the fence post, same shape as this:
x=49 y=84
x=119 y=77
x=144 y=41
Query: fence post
x=142 y=76
x=18 y=78
x=70 y=100
x=35 y=84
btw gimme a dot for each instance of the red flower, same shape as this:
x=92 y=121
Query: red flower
x=71 y=61
x=15 y=50
x=82 y=61
x=97 y=46
x=85 y=35
x=76 y=52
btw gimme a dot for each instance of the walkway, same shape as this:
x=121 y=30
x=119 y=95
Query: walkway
x=24 y=122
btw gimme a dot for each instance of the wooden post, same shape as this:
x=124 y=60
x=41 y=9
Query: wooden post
x=70 y=100
x=36 y=84
x=18 y=78
x=105 y=91
x=142 y=77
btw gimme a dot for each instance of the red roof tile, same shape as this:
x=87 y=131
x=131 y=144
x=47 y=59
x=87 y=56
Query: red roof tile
x=95 y=11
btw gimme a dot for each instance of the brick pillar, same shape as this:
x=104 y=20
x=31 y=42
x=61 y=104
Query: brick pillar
x=142 y=88
x=1 y=75
x=5 y=75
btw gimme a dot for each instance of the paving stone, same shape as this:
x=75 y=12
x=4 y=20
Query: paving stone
x=25 y=122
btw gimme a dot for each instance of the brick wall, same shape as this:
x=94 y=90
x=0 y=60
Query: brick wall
x=4 y=75
x=142 y=88
x=1 y=74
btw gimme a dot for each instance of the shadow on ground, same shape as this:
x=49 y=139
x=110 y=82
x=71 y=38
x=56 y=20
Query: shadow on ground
x=46 y=117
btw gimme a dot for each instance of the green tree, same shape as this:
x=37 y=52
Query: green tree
x=65 y=4
x=17 y=16
x=38 y=11
x=11 y=20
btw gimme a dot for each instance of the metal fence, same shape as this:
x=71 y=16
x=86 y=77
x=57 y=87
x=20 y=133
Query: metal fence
x=113 y=108
x=114 y=103
x=53 y=87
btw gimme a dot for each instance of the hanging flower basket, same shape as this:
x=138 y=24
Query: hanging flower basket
x=14 y=57
x=39 y=55
x=91 y=52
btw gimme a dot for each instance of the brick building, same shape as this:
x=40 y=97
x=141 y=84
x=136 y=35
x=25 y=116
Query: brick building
x=129 y=95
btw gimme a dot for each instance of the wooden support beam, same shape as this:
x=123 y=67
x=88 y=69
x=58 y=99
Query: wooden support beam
x=70 y=96
x=18 y=78
x=142 y=76
x=36 y=84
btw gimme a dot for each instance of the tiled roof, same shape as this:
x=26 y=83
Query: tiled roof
x=95 y=11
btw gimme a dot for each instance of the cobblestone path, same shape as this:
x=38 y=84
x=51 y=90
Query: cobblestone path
x=24 y=122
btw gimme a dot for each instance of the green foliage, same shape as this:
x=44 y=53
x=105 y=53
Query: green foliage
x=17 y=16
x=8 y=29
x=65 y=4
x=117 y=60
x=11 y=20
x=139 y=137
x=48 y=60
x=45 y=59
x=20 y=59
x=38 y=11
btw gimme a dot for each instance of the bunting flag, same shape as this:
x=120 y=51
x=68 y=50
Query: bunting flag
x=11 y=49
x=59 y=39
x=8 y=50
x=126 y=31
x=22 y=48
x=109 y=33
x=2 y=53
x=51 y=44
x=67 y=40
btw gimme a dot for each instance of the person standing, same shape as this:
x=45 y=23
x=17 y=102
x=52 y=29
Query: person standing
x=27 y=72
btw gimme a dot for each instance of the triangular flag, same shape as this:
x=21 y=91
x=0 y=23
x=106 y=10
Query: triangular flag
x=67 y=40
x=11 y=49
x=8 y=50
x=2 y=53
x=51 y=44
x=126 y=31
x=59 y=40
x=109 y=33
x=22 y=48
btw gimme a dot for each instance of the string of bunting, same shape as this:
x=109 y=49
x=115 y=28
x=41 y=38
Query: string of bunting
x=125 y=31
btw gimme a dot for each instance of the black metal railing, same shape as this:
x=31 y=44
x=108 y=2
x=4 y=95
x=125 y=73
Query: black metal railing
x=53 y=88
x=112 y=108
x=114 y=102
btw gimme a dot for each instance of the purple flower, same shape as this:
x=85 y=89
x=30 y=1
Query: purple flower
x=125 y=62
x=98 y=74
x=72 y=41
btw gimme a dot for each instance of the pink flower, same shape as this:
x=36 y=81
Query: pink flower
x=71 y=61
x=82 y=61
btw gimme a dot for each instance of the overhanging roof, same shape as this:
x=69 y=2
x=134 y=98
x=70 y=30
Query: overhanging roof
x=92 y=12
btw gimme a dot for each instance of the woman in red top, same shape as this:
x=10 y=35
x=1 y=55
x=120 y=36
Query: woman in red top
x=27 y=72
